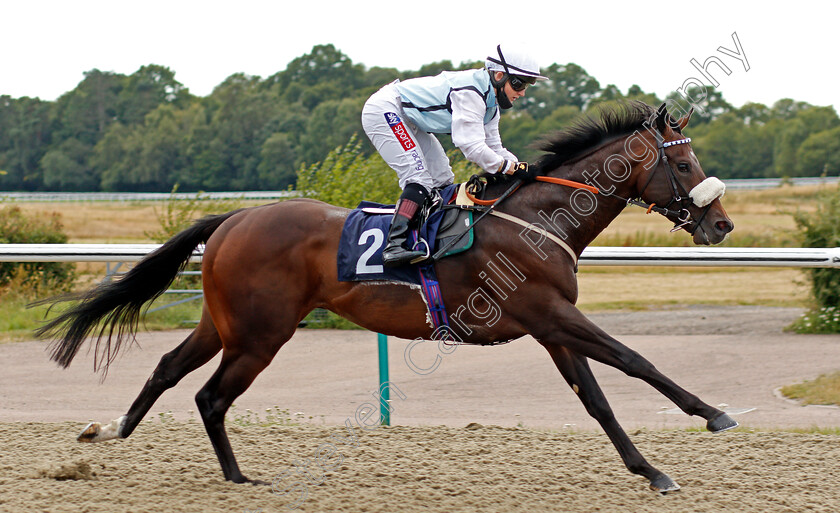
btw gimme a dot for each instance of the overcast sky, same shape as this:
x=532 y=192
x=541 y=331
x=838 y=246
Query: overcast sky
x=790 y=51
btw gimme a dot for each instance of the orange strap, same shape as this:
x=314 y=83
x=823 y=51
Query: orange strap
x=477 y=201
x=549 y=179
x=568 y=183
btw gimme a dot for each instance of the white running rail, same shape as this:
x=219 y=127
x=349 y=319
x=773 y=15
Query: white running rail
x=593 y=255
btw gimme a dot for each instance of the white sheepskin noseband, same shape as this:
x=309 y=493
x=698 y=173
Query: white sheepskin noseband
x=707 y=191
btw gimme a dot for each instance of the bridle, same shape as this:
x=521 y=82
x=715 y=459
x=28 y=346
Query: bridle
x=679 y=196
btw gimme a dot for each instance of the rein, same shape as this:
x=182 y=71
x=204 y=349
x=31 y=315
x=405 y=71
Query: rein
x=678 y=195
x=488 y=207
x=488 y=210
x=548 y=179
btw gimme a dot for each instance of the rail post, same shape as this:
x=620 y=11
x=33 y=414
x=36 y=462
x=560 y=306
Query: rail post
x=384 y=391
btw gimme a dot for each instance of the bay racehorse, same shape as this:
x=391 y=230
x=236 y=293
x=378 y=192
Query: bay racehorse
x=264 y=268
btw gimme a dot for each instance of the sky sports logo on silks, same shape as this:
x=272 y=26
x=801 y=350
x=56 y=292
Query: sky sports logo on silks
x=399 y=130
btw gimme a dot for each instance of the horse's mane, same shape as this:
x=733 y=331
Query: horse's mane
x=587 y=133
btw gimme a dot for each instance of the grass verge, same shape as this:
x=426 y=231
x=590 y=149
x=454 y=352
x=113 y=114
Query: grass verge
x=825 y=320
x=17 y=322
x=645 y=288
x=824 y=390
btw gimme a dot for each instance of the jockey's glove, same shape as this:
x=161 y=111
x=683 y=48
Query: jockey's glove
x=522 y=171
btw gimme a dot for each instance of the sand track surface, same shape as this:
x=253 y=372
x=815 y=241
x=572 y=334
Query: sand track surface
x=170 y=467
x=489 y=429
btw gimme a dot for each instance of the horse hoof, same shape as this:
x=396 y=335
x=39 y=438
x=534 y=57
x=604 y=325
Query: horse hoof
x=240 y=479
x=95 y=432
x=664 y=484
x=90 y=433
x=721 y=423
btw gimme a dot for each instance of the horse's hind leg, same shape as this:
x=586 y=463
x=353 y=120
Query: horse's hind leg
x=578 y=375
x=197 y=349
x=234 y=375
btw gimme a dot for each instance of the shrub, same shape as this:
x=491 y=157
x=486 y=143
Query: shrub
x=825 y=319
x=179 y=214
x=17 y=228
x=347 y=176
x=821 y=229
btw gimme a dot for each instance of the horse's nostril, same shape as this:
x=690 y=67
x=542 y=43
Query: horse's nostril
x=724 y=226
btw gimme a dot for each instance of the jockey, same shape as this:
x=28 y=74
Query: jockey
x=401 y=117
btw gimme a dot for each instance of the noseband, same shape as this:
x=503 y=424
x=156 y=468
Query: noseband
x=679 y=196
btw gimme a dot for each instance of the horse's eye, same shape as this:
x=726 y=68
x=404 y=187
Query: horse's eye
x=684 y=167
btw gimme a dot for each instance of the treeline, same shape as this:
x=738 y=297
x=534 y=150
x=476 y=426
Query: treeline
x=146 y=132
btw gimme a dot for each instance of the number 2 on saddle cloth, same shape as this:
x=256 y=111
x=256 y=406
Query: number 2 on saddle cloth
x=363 y=239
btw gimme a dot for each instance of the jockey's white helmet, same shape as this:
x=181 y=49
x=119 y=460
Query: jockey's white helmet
x=514 y=62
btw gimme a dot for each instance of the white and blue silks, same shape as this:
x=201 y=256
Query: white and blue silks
x=401 y=117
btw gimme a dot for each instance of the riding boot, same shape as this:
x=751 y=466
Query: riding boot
x=396 y=252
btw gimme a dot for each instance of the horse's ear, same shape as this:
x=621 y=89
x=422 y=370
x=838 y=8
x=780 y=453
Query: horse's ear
x=683 y=121
x=661 y=118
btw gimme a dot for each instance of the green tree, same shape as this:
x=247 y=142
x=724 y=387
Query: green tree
x=636 y=93
x=708 y=104
x=754 y=113
x=567 y=84
x=346 y=177
x=819 y=154
x=610 y=93
x=790 y=136
x=330 y=125
x=277 y=162
x=795 y=131
x=323 y=65
x=518 y=130
x=717 y=148
x=225 y=145
x=152 y=156
x=559 y=119
x=85 y=112
x=146 y=132
x=376 y=77
x=787 y=108
x=819 y=118
x=160 y=150
x=147 y=88
x=727 y=148
x=65 y=167
x=25 y=135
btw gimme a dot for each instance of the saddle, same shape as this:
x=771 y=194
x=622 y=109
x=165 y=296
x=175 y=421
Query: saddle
x=458 y=216
x=446 y=230
x=364 y=235
x=456 y=219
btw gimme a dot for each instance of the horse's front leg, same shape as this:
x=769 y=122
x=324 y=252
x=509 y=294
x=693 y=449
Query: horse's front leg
x=579 y=334
x=578 y=375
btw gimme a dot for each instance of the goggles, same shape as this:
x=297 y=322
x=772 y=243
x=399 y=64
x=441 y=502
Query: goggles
x=518 y=83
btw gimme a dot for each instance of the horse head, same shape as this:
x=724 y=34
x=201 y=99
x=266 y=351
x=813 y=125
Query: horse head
x=675 y=182
x=637 y=155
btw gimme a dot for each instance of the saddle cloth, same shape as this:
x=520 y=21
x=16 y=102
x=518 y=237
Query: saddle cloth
x=366 y=231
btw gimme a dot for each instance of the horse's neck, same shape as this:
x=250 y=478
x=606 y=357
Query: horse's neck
x=573 y=213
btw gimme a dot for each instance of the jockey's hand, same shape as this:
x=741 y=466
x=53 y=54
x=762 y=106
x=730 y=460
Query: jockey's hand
x=522 y=171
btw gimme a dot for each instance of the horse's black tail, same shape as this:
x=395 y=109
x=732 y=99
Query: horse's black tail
x=115 y=308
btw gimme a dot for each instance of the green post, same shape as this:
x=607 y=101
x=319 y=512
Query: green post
x=385 y=393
